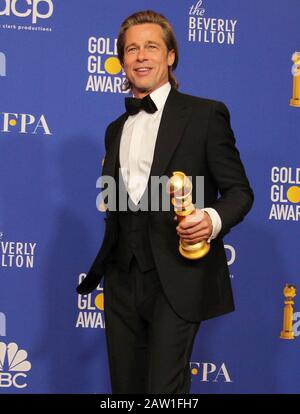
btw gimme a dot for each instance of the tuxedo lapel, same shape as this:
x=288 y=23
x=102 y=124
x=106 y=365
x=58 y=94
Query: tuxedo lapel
x=109 y=167
x=173 y=122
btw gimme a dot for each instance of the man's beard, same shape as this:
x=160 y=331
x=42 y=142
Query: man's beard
x=140 y=89
x=143 y=89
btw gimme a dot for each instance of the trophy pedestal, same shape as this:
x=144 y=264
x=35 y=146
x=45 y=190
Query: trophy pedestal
x=287 y=335
x=295 y=102
x=194 y=251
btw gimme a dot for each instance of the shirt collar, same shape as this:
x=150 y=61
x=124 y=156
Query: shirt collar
x=159 y=96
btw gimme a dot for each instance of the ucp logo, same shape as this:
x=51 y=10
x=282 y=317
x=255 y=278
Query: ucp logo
x=10 y=8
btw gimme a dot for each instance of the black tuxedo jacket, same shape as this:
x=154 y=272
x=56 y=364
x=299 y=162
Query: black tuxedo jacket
x=195 y=137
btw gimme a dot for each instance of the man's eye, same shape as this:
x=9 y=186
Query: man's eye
x=132 y=49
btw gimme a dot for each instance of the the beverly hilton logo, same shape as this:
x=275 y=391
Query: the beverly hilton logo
x=13 y=365
x=285 y=194
x=105 y=73
x=16 y=254
x=90 y=308
x=205 y=29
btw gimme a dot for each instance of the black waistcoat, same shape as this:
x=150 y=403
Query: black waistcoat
x=133 y=229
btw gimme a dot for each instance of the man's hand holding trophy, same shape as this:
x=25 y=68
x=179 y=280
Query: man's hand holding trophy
x=194 y=225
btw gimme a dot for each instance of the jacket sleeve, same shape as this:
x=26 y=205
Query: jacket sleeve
x=227 y=170
x=96 y=271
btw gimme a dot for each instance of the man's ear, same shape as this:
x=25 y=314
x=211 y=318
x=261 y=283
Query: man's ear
x=171 y=57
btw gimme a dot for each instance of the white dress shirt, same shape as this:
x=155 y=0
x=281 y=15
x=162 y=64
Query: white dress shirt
x=137 y=150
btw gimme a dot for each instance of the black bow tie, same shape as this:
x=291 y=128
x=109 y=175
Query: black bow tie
x=134 y=105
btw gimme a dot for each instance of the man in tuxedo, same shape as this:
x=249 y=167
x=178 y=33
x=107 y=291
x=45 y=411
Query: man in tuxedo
x=155 y=299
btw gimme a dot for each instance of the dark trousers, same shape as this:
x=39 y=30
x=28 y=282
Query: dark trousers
x=149 y=346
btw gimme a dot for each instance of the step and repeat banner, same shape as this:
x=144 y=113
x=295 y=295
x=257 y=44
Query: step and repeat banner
x=60 y=86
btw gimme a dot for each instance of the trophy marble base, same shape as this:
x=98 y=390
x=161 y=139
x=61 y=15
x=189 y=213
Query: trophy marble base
x=295 y=102
x=287 y=335
x=194 y=251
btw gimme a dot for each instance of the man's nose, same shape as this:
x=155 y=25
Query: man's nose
x=141 y=56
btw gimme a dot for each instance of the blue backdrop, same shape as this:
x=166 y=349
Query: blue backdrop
x=59 y=89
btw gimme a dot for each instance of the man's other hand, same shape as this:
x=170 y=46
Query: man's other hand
x=195 y=227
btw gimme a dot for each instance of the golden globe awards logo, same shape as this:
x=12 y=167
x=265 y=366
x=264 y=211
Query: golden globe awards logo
x=209 y=372
x=105 y=71
x=204 y=29
x=90 y=308
x=285 y=194
x=33 y=11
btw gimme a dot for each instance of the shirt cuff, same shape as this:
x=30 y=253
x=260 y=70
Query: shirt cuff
x=216 y=222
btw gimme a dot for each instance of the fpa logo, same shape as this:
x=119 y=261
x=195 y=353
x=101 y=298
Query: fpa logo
x=37 y=9
x=24 y=123
x=209 y=372
x=13 y=365
x=2 y=64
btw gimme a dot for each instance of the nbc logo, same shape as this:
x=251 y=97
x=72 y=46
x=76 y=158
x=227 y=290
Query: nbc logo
x=2 y=64
x=13 y=365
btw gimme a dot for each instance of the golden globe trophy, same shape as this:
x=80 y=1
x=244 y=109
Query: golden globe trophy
x=287 y=331
x=295 y=100
x=180 y=188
